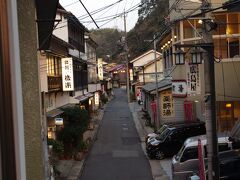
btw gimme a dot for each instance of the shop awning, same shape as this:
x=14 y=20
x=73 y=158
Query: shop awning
x=81 y=98
x=89 y=94
x=54 y=113
x=163 y=84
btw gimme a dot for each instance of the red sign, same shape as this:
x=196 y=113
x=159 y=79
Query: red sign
x=154 y=110
x=201 y=161
x=188 y=111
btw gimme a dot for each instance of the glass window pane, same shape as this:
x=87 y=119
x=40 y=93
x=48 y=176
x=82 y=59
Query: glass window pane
x=220 y=48
x=233 y=47
x=233 y=26
x=221 y=20
x=188 y=31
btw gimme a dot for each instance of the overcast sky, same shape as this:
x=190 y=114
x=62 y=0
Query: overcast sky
x=104 y=17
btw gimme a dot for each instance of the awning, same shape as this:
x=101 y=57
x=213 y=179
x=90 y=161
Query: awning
x=162 y=85
x=54 y=113
x=69 y=105
x=81 y=98
x=89 y=94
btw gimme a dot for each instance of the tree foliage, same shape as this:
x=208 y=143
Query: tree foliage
x=151 y=18
x=151 y=15
x=109 y=43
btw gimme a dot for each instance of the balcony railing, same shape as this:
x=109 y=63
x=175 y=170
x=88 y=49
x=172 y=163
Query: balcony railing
x=54 y=83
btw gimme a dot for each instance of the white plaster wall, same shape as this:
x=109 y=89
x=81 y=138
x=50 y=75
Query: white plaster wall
x=62 y=99
x=151 y=69
x=145 y=59
x=56 y=100
x=74 y=52
x=43 y=72
x=73 y=100
x=61 y=31
x=94 y=87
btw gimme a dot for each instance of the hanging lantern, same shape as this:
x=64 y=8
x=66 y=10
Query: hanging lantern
x=179 y=57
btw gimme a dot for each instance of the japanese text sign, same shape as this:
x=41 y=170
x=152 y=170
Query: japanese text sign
x=67 y=74
x=100 y=68
x=179 y=88
x=193 y=79
x=167 y=109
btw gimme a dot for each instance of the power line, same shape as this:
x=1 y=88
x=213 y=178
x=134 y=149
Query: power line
x=99 y=10
x=89 y=13
x=71 y=3
x=110 y=19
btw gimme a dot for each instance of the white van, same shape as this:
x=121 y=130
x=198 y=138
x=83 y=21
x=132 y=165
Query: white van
x=185 y=162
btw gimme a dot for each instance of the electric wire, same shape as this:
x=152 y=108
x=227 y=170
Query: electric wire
x=89 y=13
x=111 y=17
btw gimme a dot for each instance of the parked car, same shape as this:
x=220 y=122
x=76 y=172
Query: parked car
x=171 y=139
x=156 y=133
x=185 y=162
x=229 y=166
x=164 y=127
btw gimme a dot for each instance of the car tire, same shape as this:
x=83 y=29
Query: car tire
x=159 y=155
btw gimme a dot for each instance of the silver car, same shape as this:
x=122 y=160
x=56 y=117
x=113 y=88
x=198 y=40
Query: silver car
x=185 y=162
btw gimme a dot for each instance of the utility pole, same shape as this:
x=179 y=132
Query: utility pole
x=210 y=96
x=126 y=56
x=156 y=81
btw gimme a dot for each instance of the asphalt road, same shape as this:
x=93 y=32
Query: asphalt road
x=117 y=152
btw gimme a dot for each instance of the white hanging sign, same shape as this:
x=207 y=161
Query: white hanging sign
x=179 y=88
x=193 y=79
x=58 y=121
x=100 y=68
x=67 y=74
x=96 y=97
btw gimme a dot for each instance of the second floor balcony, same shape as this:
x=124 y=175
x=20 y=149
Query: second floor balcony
x=54 y=83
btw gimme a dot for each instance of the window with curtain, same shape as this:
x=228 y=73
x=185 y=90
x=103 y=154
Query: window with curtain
x=54 y=66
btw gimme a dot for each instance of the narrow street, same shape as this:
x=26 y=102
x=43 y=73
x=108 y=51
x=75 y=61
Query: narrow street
x=117 y=152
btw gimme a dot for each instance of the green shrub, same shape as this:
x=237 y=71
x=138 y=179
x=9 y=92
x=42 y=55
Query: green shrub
x=81 y=146
x=57 y=146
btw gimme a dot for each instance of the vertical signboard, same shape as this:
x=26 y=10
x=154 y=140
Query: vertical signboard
x=96 y=98
x=131 y=74
x=100 y=68
x=193 y=79
x=167 y=109
x=67 y=74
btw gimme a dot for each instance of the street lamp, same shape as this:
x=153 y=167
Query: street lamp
x=196 y=54
x=179 y=57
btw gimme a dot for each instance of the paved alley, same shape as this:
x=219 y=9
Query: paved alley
x=117 y=152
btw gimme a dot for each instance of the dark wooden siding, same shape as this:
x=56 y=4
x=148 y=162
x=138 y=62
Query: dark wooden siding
x=6 y=118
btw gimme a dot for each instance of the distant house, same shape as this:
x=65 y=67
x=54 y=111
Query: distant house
x=143 y=70
x=118 y=75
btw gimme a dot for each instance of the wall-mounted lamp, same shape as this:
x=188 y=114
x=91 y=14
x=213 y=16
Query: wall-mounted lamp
x=196 y=54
